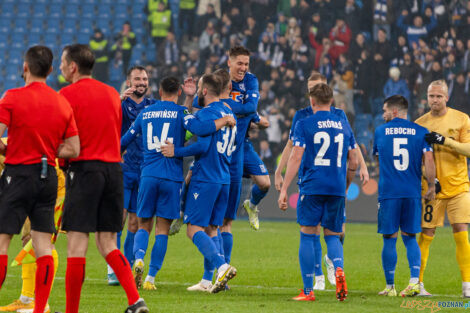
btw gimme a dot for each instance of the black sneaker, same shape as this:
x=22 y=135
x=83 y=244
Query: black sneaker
x=138 y=307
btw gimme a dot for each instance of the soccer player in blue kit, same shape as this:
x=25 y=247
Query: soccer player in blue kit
x=324 y=144
x=208 y=191
x=401 y=148
x=245 y=90
x=160 y=179
x=314 y=79
x=133 y=102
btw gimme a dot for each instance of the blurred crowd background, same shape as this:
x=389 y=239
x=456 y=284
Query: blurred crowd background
x=367 y=49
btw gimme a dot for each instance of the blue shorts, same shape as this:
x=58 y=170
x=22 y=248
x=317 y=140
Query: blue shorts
x=404 y=213
x=327 y=210
x=131 y=190
x=252 y=164
x=206 y=203
x=233 y=200
x=159 y=197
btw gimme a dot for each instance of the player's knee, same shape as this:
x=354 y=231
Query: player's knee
x=388 y=236
x=408 y=234
x=265 y=183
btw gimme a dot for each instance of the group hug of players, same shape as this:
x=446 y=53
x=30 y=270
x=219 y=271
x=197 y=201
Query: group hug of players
x=91 y=125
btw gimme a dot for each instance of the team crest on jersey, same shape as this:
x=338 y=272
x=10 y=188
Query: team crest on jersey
x=196 y=195
x=242 y=86
x=8 y=179
x=263 y=168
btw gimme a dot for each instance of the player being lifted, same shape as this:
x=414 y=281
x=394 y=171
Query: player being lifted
x=324 y=148
x=159 y=193
x=450 y=136
x=400 y=147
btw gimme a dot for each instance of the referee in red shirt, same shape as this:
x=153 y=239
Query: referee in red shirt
x=94 y=189
x=41 y=127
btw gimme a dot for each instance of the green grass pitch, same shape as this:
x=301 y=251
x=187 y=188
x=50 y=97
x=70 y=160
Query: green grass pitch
x=268 y=275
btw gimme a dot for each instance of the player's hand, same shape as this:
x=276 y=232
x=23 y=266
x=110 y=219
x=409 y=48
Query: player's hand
x=364 y=175
x=189 y=87
x=430 y=194
x=434 y=137
x=168 y=150
x=230 y=121
x=127 y=93
x=437 y=184
x=278 y=180
x=282 y=201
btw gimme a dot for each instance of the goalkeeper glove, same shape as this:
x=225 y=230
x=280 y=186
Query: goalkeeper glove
x=434 y=137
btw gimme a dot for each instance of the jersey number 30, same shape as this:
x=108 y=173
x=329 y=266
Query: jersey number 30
x=155 y=143
x=324 y=139
x=401 y=164
x=227 y=145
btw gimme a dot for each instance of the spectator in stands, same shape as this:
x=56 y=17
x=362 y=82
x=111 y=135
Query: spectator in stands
x=352 y=16
x=237 y=20
x=100 y=47
x=204 y=19
x=459 y=92
x=206 y=36
x=187 y=14
x=340 y=36
x=170 y=50
x=205 y=6
x=270 y=31
x=326 y=68
x=395 y=85
x=316 y=27
x=362 y=83
x=382 y=17
x=358 y=45
x=417 y=30
x=399 y=50
x=251 y=33
x=320 y=49
x=409 y=71
x=125 y=40
x=466 y=58
x=281 y=24
x=292 y=31
x=344 y=70
x=160 y=21
x=451 y=68
x=381 y=55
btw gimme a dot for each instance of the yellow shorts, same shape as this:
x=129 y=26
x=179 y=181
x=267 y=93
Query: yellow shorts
x=458 y=211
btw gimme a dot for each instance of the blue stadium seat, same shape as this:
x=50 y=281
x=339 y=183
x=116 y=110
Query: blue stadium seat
x=53 y=23
x=378 y=120
x=55 y=10
x=120 y=9
x=83 y=38
x=69 y=23
x=138 y=14
x=71 y=10
x=88 y=10
x=86 y=25
x=50 y=39
x=66 y=39
x=39 y=10
x=9 y=84
x=104 y=7
x=363 y=121
x=56 y=2
x=23 y=10
x=8 y=9
x=26 y=1
x=33 y=39
x=74 y=1
x=103 y=24
x=5 y=22
x=37 y=25
x=121 y=16
x=121 y=2
x=151 y=55
x=20 y=25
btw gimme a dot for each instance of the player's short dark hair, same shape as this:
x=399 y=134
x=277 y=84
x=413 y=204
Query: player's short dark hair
x=170 y=85
x=39 y=60
x=224 y=77
x=82 y=56
x=238 y=50
x=317 y=76
x=212 y=83
x=134 y=68
x=397 y=101
x=322 y=93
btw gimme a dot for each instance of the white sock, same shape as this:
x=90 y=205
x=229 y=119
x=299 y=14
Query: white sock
x=465 y=284
x=320 y=277
x=390 y=286
x=222 y=268
x=26 y=300
x=414 y=280
x=110 y=270
x=150 y=279
x=139 y=260
x=205 y=282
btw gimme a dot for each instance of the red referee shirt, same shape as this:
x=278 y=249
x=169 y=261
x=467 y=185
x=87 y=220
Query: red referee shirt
x=97 y=110
x=38 y=120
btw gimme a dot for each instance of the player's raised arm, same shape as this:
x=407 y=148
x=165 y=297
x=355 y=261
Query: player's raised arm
x=131 y=134
x=189 y=89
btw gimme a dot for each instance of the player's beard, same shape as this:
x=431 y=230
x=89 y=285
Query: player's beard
x=200 y=100
x=140 y=94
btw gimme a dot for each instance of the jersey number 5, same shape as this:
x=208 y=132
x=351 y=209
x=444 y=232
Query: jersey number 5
x=227 y=145
x=155 y=143
x=402 y=163
x=324 y=139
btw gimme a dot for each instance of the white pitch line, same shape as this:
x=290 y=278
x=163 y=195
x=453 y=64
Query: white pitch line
x=176 y=283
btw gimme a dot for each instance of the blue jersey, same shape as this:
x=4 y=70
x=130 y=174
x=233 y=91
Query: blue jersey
x=134 y=155
x=327 y=140
x=400 y=146
x=163 y=120
x=212 y=165
x=306 y=112
x=243 y=124
x=246 y=92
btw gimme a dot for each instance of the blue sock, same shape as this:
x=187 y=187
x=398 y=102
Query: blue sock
x=413 y=253
x=221 y=243
x=129 y=247
x=335 y=250
x=307 y=260
x=141 y=242
x=118 y=241
x=158 y=254
x=227 y=239
x=207 y=247
x=389 y=259
x=318 y=255
x=208 y=267
x=257 y=194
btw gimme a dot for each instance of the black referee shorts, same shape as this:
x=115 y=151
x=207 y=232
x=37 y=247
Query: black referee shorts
x=24 y=194
x=93 y=197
